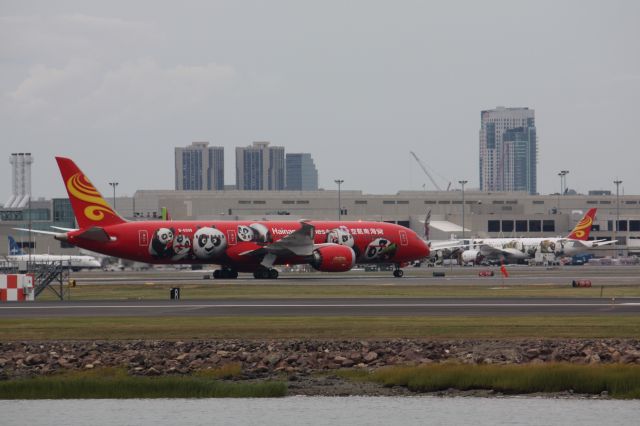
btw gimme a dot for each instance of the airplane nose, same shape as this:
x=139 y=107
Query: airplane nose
x=423 y=247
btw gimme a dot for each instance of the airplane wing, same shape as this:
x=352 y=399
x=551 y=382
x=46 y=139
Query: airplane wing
x=489 y=251
x=95 y=234
x=298 y=243
x=64 y=229
x=442 y=245
x=38 y=231
x=594 y=243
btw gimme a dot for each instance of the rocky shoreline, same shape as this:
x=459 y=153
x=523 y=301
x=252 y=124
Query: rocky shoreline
x=308 y=365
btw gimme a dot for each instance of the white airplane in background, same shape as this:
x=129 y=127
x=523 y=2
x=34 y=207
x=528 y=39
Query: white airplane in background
x=74 y=262
x=518 y=249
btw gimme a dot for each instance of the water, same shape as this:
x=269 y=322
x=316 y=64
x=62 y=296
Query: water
x=321 y=411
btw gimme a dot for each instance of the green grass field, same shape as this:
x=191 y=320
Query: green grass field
x=438 y=327
x=115 y=383
x=214 y=290
x=619 y=381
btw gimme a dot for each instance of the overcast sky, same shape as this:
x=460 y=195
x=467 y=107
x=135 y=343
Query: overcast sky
x=116 y=85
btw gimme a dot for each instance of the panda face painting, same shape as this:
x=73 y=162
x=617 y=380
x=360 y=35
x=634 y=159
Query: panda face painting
x=380 y=249
x=208 y=243
x=261 y=233
x=162 y=243
x=181 y=246
x=245 y=234
x=340 y=236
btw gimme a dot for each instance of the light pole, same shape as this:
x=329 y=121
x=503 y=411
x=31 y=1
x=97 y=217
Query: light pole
x=462 y=182
x=562 y=174
x=564 y=177
x=617 y=225
x=339 y=182
x=114 y=184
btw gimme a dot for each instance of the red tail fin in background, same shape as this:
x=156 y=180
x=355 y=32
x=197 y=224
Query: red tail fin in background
x=583 y=228
x=88 y=205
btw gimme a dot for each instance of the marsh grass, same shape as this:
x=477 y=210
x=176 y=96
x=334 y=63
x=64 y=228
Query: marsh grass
x=115 y=383
x=620 y=381
x=309 y=327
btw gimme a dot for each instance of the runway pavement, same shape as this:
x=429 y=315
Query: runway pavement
x=519 y=275
x=328 y=307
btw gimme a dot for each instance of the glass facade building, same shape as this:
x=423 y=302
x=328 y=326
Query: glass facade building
x=260 y=167
x=508 y=150
x=302 y=174
x=199 y=167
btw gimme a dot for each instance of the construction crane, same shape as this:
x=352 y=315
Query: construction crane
x=426 y=172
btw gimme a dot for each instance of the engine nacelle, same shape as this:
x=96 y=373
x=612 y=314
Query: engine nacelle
x=333 y=258
x=469 y=256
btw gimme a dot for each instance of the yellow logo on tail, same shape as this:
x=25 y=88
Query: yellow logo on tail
x=584 y=224
x=80 y=187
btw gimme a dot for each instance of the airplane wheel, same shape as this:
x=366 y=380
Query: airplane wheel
x=398 y=273
x=233 y=274
x=273 y=274
x=217 y=274
x=261 y=274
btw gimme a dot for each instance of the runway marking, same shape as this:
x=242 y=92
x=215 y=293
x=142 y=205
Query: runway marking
x=342 y=305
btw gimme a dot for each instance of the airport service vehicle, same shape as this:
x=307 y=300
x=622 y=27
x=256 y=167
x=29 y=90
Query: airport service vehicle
x=519 y=249
x=75 y=262
x=237 y=246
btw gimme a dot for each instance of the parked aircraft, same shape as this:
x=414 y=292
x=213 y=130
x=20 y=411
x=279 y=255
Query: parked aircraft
x=16 y=254
x=237 y=246
x=519 y=249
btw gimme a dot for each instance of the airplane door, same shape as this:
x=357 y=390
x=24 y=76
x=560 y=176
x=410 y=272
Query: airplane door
x=143 y=238
x=231 y=237
x=404 y=241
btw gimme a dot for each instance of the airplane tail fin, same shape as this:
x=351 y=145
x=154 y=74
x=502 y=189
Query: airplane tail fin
x=583 y=228
x=14 y=248
x=89 y=207
x=427 y=226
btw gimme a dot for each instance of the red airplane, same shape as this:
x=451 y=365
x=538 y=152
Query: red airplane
x=237 y=246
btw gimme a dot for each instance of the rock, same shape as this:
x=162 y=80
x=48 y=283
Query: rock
x=88 y=366
x=594 y=359
x=272 y=359
x=152 y=372
x=371 y=356
x=532 y=353
x=181 y=357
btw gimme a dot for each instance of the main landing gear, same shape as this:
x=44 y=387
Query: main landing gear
x=397 y=272
x=266 y=274
x=225 y=273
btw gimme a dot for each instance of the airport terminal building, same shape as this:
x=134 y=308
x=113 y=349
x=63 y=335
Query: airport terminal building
x=499 y=214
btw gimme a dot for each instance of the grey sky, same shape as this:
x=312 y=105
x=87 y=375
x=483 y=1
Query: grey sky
x=116 y=85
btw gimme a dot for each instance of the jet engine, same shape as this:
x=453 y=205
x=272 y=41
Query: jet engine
x=333 y=258
x=469 y=256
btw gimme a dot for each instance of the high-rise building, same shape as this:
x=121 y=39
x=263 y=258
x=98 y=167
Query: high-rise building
x=200 y=167
x=302 y=174
x=260 y=167
x=508 y=150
